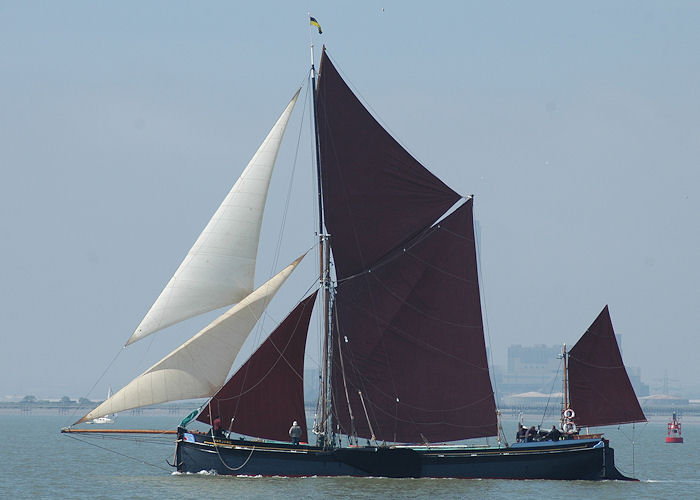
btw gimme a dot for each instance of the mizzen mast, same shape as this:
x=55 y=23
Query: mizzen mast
x=566 y=420
x=565 y=389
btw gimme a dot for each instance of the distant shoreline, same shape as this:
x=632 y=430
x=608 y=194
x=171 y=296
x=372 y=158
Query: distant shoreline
x=78 y=409
x=180 y=411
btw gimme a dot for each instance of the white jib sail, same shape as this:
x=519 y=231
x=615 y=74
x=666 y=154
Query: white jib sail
x=198 y=368
x=219 y=269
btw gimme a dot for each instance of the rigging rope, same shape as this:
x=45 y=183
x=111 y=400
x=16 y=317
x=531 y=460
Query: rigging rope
x=261 y=324
x=554 y=381
x=289 y=191
x=118 y=453
x=75 y=410
x=216 y=447
x=631 y=439
x=482 y=290
x=281 y=356
x=351 y=434
x=226 y=465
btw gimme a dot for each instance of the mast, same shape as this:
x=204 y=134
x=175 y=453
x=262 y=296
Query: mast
x=566 y=420
x=565 y=389
x=324 y=270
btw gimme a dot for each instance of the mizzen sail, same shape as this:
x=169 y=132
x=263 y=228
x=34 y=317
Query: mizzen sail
x=600 y=390
x=199 y=367
x=266 y=394
x=219 y=269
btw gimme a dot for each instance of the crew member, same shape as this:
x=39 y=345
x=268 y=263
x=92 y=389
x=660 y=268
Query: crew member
x=554 y=434
x=295 y=432
x=217 y=432
x=530 y=434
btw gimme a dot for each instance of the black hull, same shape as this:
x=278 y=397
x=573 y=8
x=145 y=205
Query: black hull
x=589 y=459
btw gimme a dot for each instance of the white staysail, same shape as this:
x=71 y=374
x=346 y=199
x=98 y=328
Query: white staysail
x=219 y=269
x=197 y=368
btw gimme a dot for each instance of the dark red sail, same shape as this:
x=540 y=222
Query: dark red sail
x=410 y=337
x=266 y=394
x=376 y=195
x=600 y=390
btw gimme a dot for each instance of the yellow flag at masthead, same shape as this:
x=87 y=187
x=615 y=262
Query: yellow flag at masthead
x=314 y=22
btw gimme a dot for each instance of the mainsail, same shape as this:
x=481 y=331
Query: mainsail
x=219 y=269
x=408 y=334
x=199 y=367
x=600 y=390
x=266 y=393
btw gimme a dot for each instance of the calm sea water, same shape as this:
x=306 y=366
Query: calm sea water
x=39 y=462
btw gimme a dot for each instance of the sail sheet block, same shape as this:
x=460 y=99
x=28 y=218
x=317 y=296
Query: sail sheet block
x=198 y=368
x=219 y=268
x=600 y=390
x=375 y=194
x=266 y=394
x=410 y=337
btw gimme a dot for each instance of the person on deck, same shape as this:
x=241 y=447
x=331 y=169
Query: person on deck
x=554 y=434
x=530 y=434
x=520 y=435
x=295 y=432
x=217 y=432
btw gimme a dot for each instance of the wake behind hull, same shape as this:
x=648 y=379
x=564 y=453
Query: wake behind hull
x=566 y=460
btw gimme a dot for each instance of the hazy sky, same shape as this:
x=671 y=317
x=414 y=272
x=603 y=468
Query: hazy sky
x=123 y=125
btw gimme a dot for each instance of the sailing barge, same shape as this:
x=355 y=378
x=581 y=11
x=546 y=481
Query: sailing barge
x=404 y=358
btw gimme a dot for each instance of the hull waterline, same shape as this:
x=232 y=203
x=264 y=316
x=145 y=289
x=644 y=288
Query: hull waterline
x=590 y=459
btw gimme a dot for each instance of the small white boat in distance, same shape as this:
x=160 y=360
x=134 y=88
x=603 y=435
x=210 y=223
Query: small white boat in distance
x=107 y=419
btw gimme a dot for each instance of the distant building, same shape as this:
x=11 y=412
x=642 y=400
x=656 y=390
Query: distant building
x=538 y=369
x=532 y=369
x=640 y=388
x=634 y=373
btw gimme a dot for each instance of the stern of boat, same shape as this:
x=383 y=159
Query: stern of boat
x=609 y=470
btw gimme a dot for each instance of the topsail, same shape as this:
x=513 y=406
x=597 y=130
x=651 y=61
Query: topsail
x=219 y=269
